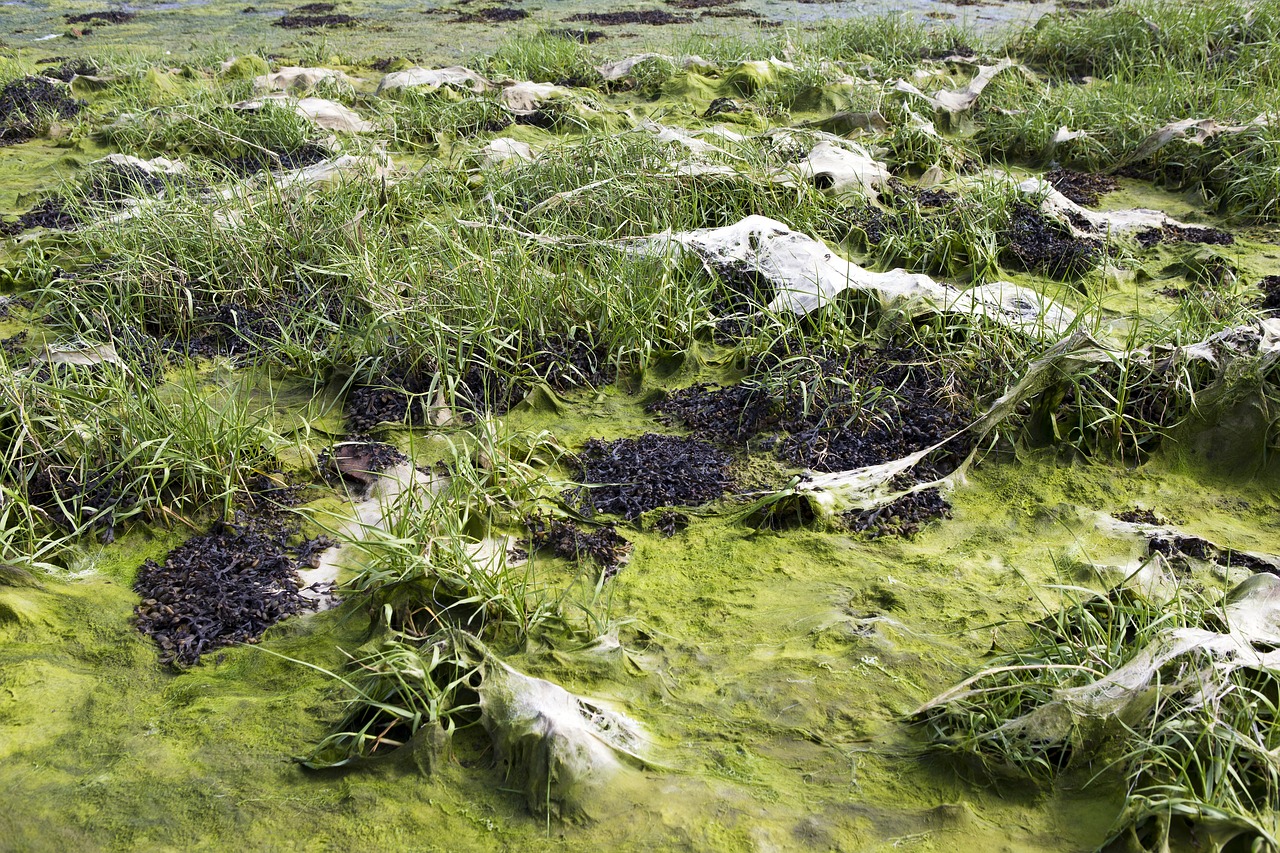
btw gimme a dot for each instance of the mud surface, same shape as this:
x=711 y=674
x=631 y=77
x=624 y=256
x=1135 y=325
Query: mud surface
x=605 y=545
x=1035 y=243
x=223 y=587
x=27 y=104
x=631 y=476
x=902 y=517
x=1081 y=187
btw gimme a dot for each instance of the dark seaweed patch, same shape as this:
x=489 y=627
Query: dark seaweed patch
x=357 y=462
x=837 y=412
x=1140 y=516
x=72 y=68
x=27 y=104
x=606 y=546
x=493 y=15
x=399 y=396
x=699 y=4
x=581 y=36
x=902 y=517
x=50 y=212
x=631 y=476
x=1178 y=548
x=222 y=587
x=72 y=499
x=1036 y=243
x=314 y=15
x=109 y=16
x=1270 y=287
x=1180 y=234
x=255 y=161
x=1081 y=187
x=650 y=17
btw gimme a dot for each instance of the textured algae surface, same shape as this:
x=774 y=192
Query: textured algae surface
x=770 y=666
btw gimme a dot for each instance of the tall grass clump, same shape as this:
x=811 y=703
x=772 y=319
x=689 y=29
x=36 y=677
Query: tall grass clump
x=1124 y=687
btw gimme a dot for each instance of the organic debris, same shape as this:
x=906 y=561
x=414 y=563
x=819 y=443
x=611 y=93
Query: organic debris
x=72 y=68
x=28 y=104
x=315 y=15
x=606 y=546
x=108 y=16
x=49 y=212
x=902 y=517
x=223 y=587
x=1183 y=234
x=1036 y=243
x=649 y=17
x=492 y=15
x=1270 y=286
x=359 y=462
x=1140 y=516
x=1081 y=187
x=840 y=411
x=1178 y=547
x=631 y=476
x=670 y=522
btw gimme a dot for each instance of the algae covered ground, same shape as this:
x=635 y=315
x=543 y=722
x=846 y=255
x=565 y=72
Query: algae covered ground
x=852 y=436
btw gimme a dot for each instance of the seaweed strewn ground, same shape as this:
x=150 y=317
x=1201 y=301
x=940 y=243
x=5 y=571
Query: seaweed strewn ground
x=565 y=445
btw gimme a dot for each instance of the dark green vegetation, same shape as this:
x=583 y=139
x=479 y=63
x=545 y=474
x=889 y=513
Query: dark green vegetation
x=765 y=398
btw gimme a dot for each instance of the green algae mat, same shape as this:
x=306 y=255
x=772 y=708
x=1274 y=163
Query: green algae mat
x=847 y=437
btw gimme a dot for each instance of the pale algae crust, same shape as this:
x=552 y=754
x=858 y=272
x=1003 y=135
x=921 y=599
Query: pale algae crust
x=772 y=668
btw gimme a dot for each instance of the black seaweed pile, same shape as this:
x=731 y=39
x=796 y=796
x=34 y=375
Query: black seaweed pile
x=108 y=16
x=71 y=68
x=650 y=17
x=1036 y=243
x=1180 y=234
x=314 y=15
x=492 y=15
x=670 y=522
x=1270 y=287
x=27 y=103
x=223 y=587
x=1178 y=547
x=49 y=212
x=606 y=546
x=70 y=498
x=357 y=462
x=844 y=410
x=902 y=517
x=1140 y=516
x=631 y=476
x=399 y=396
x=1081 y=187
x=255 y=161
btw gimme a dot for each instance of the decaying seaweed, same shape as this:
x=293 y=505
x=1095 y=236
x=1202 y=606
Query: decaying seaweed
x=631 y=476
x=222 y=587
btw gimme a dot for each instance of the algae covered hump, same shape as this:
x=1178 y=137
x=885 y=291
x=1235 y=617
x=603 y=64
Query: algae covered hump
x=851 y=434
